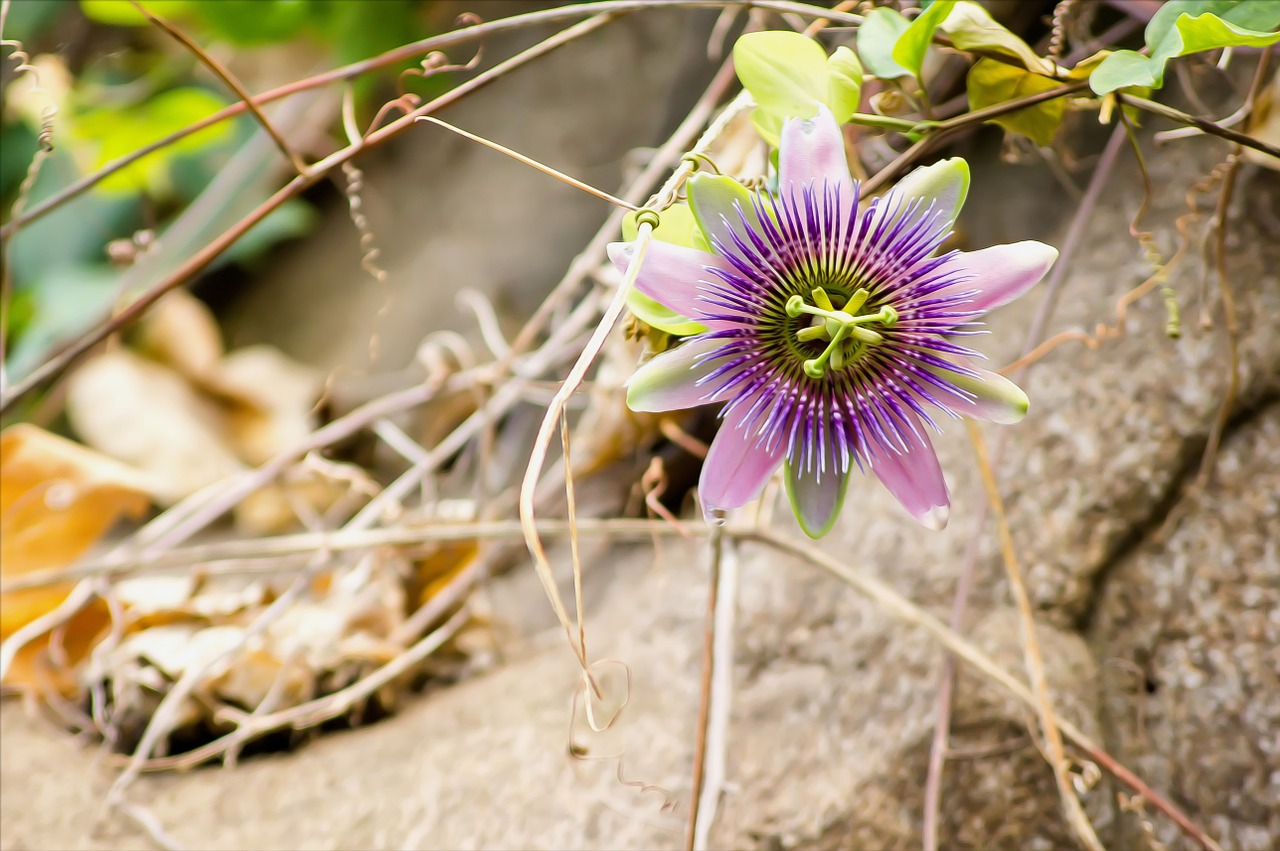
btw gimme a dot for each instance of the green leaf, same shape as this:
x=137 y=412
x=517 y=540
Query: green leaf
x=912 y=45
x=64 y=302
x=1188 y=35
x=112 y=132
x=971 y=27
x=785 y=72
x=844 y=83
x=250 y=22
x=121 y=13
x=992 y=82
x=880 y=31
x=1261 y=16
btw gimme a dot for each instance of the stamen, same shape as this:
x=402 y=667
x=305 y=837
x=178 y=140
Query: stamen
x=843 y=329
x=820 y=298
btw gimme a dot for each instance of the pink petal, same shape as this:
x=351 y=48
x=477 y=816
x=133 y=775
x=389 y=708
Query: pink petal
x=1001 y=273
x=671 y=275
x=812 y=150
x=736 y=469
x=915 y=477
x=668 y=382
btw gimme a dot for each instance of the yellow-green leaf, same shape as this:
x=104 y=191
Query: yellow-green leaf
x=971 y=27
x=991 y=82
x=910 y=49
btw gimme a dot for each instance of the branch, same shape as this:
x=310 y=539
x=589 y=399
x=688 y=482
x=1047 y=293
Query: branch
x=401 y=54
x=225 y=75
x=1201 y=123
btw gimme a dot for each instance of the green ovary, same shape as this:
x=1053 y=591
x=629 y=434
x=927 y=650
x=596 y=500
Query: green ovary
x=844 y=330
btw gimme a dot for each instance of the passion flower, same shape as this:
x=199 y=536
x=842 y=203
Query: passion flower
x=832 y=328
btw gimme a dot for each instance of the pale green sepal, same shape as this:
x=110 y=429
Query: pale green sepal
x=998 y=400
x=768 y=125
x=669 y=381
x=658 y=315
x=844 y=84
x=713 y=196
x=676 y=225
x=816 y=502
x=945 y=182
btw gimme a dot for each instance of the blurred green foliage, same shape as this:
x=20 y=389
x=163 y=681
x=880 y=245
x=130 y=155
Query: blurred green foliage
x=119 y=84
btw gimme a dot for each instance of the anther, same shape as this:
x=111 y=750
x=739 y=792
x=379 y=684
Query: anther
x=865 y=335
x=856 y=301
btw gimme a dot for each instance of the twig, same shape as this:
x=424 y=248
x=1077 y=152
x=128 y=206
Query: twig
x=577 y=374
x=464 y=35
x=907 y=612
x=81 y=595
x=163 y=718
x=532 y=163
x=1072 y=810
x=56 y=365
x=1230 y=319
x=225 y=75
x=202 y=557
x=936 y=131
x=1204 y=124
x=147 y=821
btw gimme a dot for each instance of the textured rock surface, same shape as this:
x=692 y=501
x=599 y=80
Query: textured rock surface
x=1165 y=647
x=1190 y=629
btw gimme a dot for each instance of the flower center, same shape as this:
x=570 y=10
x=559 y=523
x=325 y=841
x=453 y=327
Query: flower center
x=845 y=330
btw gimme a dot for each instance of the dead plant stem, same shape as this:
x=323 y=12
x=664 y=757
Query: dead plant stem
x=201 y=559
x=1072 y=810
x=404 y=53
x=224 y=74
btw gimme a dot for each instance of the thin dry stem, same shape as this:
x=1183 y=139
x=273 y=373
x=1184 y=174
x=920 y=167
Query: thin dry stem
x=224 y=74
x=413 y=50
x=712 y=743
x=532 y=163
x=1072 y=810
x=577 y=374
x=964 y=582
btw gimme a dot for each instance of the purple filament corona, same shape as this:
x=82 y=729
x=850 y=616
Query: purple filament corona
x=813 y=239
